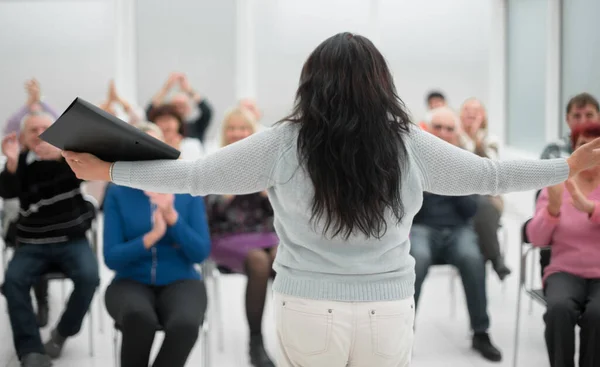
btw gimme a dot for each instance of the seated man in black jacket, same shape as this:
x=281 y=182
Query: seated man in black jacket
x=443 y=233
x=51 y=233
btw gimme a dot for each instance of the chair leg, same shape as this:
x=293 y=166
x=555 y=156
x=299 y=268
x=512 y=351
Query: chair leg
x=517 y=328
x=91 y=331
x=206 y=344
x=116 y=346
x=100 y=314
x=453 y=293
x=503 y=250
x=218 y=323
x=530 y=281
x=63 y=292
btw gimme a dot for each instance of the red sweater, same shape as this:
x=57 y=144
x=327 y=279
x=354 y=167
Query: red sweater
x=573 y=236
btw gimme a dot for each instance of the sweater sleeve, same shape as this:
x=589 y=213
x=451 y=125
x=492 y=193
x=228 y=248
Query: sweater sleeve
x=241 y=168
x=541 y=227
x=449 y=170
x=191 y=233
x=118 y=253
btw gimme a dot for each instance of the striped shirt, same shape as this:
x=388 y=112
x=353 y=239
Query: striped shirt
x=52 y=208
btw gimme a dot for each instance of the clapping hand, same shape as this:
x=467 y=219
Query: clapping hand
x=555 y=194
x=10 y=149
x=578 y=199
x=585 y=157
x=33 y=91
x=165 y=204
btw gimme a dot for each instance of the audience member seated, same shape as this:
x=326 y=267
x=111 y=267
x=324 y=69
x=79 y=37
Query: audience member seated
x=11 y=206
x=443 y=233
x=173 y=129
x=434 y=100
x=244 y=239
x=475 y=138
x=583 y=108
x=34 y=104
x=51 y=233
x=152 y=241
x=197 y=119
x=567 y=219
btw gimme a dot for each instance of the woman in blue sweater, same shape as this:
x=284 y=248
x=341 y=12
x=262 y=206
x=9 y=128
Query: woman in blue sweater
x=152 y=242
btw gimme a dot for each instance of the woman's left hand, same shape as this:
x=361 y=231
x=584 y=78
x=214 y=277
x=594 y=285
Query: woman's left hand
x=580 y=202
x=87 y=167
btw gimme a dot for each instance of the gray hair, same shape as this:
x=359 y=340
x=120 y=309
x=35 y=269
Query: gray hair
x=35 y=114
x=148 y=127
x=443 y=110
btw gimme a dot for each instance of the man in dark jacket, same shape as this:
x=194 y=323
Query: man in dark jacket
x=443 y=233
x=50 y=232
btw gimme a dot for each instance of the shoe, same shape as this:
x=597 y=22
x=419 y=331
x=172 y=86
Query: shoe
x=501 y=269
x=36 y=360
x=258 y=354
x=42 y=315
x=55 y=345
x=483 y=344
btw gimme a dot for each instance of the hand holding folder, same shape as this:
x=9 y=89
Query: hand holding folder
x=85 y=128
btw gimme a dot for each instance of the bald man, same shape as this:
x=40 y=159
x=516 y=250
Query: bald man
x=443 y=233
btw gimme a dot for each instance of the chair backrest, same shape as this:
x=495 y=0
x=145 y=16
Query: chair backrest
x=524 y=238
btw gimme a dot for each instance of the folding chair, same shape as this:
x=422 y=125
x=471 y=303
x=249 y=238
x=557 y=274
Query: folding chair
x=525 y=284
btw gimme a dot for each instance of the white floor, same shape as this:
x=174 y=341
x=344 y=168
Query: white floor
x=441 y=339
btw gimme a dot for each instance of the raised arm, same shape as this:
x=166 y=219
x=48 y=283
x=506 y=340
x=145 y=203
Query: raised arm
x=541 y=227
x=448 y=170
x=241 y=168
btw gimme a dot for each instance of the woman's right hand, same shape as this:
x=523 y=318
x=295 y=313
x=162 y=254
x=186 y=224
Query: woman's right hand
x=585 y=157
x=158 y=230
x=555 y=194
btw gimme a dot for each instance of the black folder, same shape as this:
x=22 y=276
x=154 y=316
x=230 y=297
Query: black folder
x=86 y=128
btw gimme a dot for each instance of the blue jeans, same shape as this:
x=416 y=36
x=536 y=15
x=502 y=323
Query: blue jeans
x=457 y=247
x=77 y=260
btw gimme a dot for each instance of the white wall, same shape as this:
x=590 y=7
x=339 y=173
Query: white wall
x=191 y=36
x=237 y=48
x=429 y=44
x=437 y=44
x=67 y=45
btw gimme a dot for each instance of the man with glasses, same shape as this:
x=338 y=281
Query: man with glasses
x=443 y=233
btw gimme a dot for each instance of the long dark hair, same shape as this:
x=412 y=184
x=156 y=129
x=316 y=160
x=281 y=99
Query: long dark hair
x=350 y=141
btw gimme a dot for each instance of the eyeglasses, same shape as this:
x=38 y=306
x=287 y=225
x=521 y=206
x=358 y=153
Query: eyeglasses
x=437 y=127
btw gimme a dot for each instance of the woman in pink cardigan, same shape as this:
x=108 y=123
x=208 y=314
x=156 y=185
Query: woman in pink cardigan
x=567 y=218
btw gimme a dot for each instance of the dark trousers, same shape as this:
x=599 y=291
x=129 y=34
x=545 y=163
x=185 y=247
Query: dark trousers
x=571 y=301
x=139 y=310
x=487 y=222
x=29 y=262
x=458 y=247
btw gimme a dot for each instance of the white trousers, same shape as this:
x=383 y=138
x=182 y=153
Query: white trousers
x=312 y=333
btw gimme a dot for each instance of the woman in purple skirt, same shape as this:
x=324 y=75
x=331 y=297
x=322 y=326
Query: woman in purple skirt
x=243 y=238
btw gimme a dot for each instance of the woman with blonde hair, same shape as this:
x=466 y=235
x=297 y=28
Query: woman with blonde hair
x=476 y=139
x=243 y=237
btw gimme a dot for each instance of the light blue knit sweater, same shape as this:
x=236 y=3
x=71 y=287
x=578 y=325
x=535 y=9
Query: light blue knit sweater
x=308 y=264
